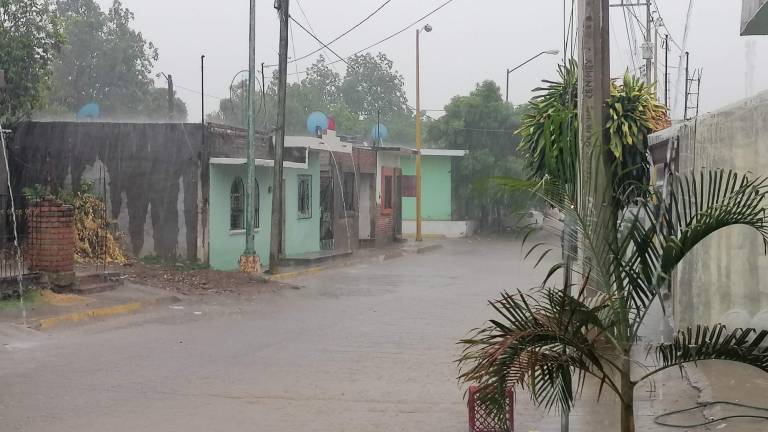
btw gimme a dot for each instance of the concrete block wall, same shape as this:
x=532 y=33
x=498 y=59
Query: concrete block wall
x=725 y=278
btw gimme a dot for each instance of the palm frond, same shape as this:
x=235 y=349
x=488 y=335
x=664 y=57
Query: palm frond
x=746 y=346
x=538 y=342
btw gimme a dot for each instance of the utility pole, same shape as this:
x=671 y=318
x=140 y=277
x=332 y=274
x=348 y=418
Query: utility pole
x=277 y=182
x=666 y=72
x=656 y=61
x=249 y=261
x=647 y=52
x=170 y=98
x=685 y=109
x=202 y=97
x=595 y=198
x=594 y=88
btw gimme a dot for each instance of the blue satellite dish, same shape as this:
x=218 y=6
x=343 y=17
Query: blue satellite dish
x=317 y=120
x=89 y=111
x=379 y=132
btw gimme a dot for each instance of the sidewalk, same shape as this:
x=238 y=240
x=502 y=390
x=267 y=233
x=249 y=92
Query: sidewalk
x=46 y=309
x=363 y=255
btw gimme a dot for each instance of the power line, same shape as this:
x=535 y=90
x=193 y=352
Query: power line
x=323 y=44
x=348 y=31
x=198 y=92
x=664 y=24
x=433 y=11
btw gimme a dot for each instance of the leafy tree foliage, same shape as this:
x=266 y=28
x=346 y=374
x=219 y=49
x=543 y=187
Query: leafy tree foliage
x=372 y=84
x=483 y=124
x=106 y=61
x=323 y=89
x=29 y=37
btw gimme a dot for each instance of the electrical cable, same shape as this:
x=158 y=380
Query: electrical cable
x=629 y=40
x=323 y=44
x=664 y=24
x=658 y=419
x=433 y=11
x=293 y=45
x=348 y=31
x=309 y=24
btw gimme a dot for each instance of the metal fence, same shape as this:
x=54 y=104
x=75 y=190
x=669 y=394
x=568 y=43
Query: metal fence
x=9 y=265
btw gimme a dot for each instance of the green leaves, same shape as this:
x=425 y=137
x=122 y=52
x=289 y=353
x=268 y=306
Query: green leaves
x=535 y=343
x=543 y=339
x=30 y=34
x=691 y=345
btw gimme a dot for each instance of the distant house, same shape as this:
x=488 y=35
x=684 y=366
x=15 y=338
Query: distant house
x=437 y=207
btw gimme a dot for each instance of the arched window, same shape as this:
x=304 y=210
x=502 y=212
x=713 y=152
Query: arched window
x=256 y=199
x=236 y=205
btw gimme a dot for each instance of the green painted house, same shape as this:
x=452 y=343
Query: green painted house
x=436 y=192
x=227 y=202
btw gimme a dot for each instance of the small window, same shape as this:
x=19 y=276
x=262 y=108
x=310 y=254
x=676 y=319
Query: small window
x=349 y=191
x=387 y=192
x=256 y=199
x=408 y=186
x=236 y=206
x=305 y=197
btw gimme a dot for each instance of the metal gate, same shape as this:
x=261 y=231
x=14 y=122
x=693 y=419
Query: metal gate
x=9 y=266
x=326 y=214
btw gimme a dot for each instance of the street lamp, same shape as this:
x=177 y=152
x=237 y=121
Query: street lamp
x=171 y=96
x=427 y=28
x=509 y=71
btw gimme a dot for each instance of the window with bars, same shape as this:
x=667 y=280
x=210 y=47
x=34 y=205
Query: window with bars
x=349 y=191
x=236 y=205
x=305 y=197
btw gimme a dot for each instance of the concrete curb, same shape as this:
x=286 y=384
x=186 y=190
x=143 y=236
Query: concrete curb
x=388 y=255
x=102 y=312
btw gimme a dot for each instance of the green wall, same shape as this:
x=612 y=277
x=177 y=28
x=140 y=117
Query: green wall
x=301 y=235
x=435 y=188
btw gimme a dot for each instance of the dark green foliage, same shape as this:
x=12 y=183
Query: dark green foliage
x=30 y=34
x=104 y=60
x=483 y=124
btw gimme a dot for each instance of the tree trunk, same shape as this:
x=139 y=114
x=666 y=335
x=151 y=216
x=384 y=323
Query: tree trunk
x=627 y=395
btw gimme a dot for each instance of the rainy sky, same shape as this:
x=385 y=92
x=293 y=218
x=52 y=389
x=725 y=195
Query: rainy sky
x=471 y=41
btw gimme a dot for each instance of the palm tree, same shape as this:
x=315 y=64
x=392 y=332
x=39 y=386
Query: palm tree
x=550 y=340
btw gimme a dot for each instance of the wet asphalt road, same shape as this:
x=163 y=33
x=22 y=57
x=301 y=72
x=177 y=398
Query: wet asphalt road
x=363 y=348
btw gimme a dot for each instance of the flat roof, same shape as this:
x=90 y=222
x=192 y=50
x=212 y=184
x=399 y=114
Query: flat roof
x=444 y=152
x=257 y=162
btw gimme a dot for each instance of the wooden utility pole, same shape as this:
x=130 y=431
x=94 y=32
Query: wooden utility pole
x=276 y=239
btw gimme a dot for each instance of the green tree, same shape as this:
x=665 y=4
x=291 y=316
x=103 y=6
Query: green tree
x=323 y=89
x=29 y=37
x=104 y=61
x=483 y=124
x=372 y=84
x=549 y=340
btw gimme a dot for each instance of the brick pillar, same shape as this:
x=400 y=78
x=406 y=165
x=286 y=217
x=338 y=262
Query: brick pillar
x=51 y=247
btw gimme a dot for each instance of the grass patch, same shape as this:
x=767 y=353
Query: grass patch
x=31 y=296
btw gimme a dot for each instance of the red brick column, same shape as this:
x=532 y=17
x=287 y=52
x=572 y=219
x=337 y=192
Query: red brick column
x=51 y=247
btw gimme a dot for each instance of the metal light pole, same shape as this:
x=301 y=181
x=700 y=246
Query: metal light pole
x=427 y=28
x=248 y=259
x=509 y=71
